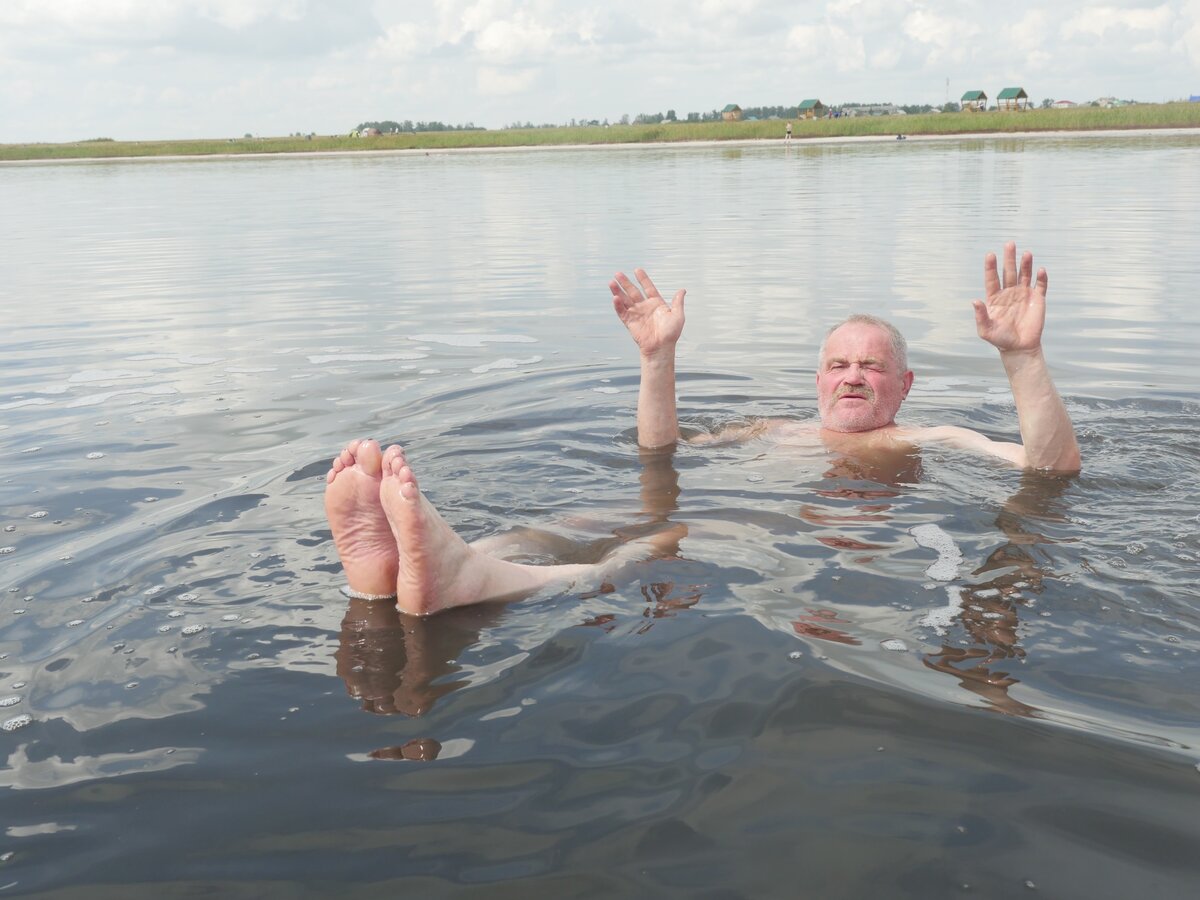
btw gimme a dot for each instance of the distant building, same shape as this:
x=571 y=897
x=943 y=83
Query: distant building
x=1012 y=98
x=873 y=109
x=1195 y=98
x=974 y=101
x=811 y=109
x=1064 y=104
x=731 y=113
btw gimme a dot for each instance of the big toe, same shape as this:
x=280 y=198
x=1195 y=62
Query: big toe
x=369 y=459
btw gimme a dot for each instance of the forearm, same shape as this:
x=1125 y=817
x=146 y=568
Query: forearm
x=657 y=420
x=1046 y=430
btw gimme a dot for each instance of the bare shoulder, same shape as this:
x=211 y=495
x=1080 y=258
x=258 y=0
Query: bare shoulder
x=966 y=439
x=789 y=431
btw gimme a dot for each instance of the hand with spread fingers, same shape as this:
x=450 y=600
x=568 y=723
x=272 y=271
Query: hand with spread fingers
x=1013 y=314
x=653 y=323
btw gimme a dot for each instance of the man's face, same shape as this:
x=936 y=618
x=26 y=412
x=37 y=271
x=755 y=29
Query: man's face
x=859 y=384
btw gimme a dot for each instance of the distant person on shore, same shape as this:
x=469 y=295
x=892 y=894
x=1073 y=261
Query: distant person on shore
x=394 y=544
x=787 y=135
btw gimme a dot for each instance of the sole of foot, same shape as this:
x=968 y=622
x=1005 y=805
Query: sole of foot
x=361 y=532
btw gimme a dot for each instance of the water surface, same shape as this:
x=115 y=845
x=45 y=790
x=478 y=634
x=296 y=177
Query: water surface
x=800 y=702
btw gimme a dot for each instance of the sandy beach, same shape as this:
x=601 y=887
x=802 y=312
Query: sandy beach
x=648 y=145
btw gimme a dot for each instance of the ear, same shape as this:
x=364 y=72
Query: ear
x=908 y=382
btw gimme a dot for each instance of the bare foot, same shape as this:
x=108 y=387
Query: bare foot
x=361 y=532
x=437 y=568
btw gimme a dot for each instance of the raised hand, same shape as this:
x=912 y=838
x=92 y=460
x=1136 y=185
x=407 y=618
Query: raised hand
x=653 y=323
x=1013 y=314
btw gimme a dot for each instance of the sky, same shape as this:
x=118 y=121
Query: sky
x=174 y=69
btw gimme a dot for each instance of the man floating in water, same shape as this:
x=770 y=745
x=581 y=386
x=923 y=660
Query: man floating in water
x=393 y=543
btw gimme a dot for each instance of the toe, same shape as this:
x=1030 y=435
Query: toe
x=369 y=459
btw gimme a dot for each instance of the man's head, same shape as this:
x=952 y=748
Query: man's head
x=862 y=374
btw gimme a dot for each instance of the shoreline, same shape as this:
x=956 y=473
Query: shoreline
x=634 y=145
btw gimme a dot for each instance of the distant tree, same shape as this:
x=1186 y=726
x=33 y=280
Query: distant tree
x=671 y=115
x=693 y=117
x=624 y=120
x=248 y=135
x=951 y=107
x=1047 y=103
x=388 y=126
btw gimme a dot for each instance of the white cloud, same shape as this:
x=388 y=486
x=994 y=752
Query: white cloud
x=508 y=41
x=1098 y=21
x=324 y=65
x=1189 y=40
x=829 y=43
x=400 y=42
x=494 y=82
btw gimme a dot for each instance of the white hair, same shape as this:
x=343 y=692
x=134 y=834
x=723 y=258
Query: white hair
x=895 y=338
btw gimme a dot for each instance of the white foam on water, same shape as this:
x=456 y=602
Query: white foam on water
x=942 y=618
x=506 y=363
x=95 y=454
x=932 y=537
x=400 y=356
x=182 y=360
x=32 y=401
x=472 y=340
x=90 y=376
x=156 y=390
x=40 y=514
x=606 y=390
x=249 y=370
x=192 y=629
x=16 y=722
x=507 y=713
x=9 y=701
x=894 y=644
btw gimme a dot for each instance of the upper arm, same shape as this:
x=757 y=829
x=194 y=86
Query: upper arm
x=966 y=439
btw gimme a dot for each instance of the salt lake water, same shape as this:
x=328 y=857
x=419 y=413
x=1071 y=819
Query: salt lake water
x=926 y=679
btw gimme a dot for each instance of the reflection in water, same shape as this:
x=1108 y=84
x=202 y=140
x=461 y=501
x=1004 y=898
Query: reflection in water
x=396 y=663
x=990 y=609
x=402 y=664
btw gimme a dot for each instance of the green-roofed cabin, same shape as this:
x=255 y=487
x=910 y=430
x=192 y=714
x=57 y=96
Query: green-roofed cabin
x=811 y=109
x=1013 y=98
x=974 y=101
x=731 y=113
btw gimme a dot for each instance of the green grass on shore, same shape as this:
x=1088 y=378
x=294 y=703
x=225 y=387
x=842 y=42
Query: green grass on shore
x=1141 y=116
